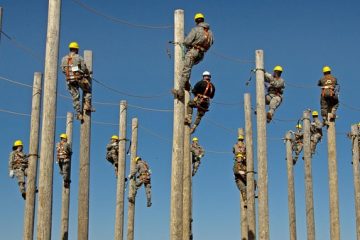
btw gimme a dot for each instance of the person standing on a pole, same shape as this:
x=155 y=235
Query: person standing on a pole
x=64 y=153
x=18 y=164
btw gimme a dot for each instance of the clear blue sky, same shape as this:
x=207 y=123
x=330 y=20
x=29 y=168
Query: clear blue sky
x=302 y=36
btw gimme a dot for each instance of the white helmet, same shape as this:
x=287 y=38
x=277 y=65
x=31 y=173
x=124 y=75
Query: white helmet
x=206 y=73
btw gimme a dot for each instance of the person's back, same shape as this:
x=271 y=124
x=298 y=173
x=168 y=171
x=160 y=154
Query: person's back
x=200 y=37
x=205 y=88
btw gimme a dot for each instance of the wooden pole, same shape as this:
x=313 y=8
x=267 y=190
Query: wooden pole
x=33 y=158
x=333 y=184
x=310 y=221
x=64 y=230
x=291 y=189
x=44 y=215
x=187 y=195
x=261 y=149
x=251 y=211
x=355 y=160
x=178 y=137
x=120 y=189
x=243 y=211
x=84 y=173
x=132 y=187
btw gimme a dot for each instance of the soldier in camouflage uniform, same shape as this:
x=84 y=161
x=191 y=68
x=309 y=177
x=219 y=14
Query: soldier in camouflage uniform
x=197 y=152
x=142 y=175
x=77 y=76
x=18 y=164
x=329 y=99
x=64 y=152
x=316 y=131
x=239 y=147
x=112 y=152
x=197 y=42
x=239 y=170
x=275 y=90
x=297 y=143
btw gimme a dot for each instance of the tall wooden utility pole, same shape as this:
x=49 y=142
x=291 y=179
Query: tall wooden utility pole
x=333 y=184
x=251 y=211
x=261 y=148
x=132 y=187
x=243 y=211
x=178 y=136
x=291 y=188
x=33 y=158
x=310 y=222
x=64 y=230
x=84 y=173
x=48 y=122
x=187 y=188
x=355 y=160
x=120 y=189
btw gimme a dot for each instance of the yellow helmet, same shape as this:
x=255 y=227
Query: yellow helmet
x=137 y=159
x=114 y=137
x=63 y=135
x=278 y=68
x=18 y=143
x=195 y=139
x=315 y=113
x=298 y=126
x=199 y=15
x=326 y=69
x=241 y=137
x=74 y=45
x=239 y=155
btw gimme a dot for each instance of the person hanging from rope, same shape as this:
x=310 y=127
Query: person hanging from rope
x=197 y=152
x=142 y=173
x=203 y=92
x=315 y=131
x=112 y=152
x=275 y=89
x=297 y=143
x=329 y=99
x=239 y=146
x=64 y=152
x=18 y=165
x=77 y=76
x=197 y=42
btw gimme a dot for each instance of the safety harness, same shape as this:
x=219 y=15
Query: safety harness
x=203 y=97
x=72 y=75
x=206 y=43
x=329 y=86
x=62 y=154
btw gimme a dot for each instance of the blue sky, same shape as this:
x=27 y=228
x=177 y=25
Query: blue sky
x=302 y=36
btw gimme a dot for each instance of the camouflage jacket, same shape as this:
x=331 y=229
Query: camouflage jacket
x=141 y=168
x=316 y=127
x=197 y=150
x=63 y=150
x=18 y=160
x=239 y=147
x=73 y=66
x=200 y=36
x=276 y=85
x=298 y=136
x=113 y=148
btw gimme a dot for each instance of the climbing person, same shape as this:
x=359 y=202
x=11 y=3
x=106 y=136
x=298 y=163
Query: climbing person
x=239 y=170
x=112 y=152
x=197 y=152
x=77 y=76
x=239 y=146
x=18 y=164
x=329 y=99
x=275 y=89
x=197 y=42
x=297 y=142
x=315 y=131
x=203 y=91
x=64 y=152
x=142 y=175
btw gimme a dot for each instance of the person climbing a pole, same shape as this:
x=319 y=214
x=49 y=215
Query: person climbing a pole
x=315 y=131
x=239 y=147
x=329 y=99
x=239 y=170
x=203 y=92
x=64 y=152
x=142 y=175
x=197 y=42
x=77 y=76
x=18 y=165
x=112 y=152
x=297 y=142
x=275 y=89
x=197 y=152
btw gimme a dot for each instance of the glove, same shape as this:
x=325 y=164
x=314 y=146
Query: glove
x=150 y=171
x=242 y=172
x=11 y=174
x=201 y=155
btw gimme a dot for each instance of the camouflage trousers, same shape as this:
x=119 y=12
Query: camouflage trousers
x=314 y=140
x=192 y=57
x=274 y=101
x=297 y=148
x=195 y=164
x=240 y=181
x=64 y=165
x=73 y=87
x=202 y=105
x=147 y=184
x=20 y=175
x=113 y=159
x=329 y=104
